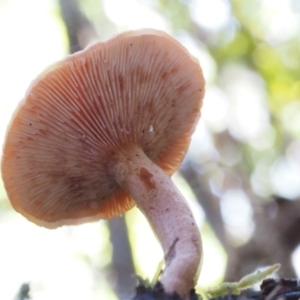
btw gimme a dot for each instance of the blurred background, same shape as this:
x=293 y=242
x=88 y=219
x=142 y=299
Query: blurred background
x=241 y=175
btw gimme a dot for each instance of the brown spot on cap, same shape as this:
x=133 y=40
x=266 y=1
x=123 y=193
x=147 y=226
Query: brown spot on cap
x=89 y=105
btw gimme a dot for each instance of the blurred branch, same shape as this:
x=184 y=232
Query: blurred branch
x=23 y=293
x=275 y=236
x=122 y=263
x=276 y=230
x=79 y=29
x=268 y=244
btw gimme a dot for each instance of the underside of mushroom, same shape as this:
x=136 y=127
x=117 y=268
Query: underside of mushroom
x=103 y=130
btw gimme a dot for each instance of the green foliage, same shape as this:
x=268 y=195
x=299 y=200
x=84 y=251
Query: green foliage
x=176 y=12
x=246 y=282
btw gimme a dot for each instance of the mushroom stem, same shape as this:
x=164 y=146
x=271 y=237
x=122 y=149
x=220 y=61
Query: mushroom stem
x=169 y=215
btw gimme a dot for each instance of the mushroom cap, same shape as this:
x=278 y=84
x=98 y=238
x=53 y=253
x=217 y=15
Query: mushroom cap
x=138 y=89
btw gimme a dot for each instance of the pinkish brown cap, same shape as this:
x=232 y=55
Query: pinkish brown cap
x=139 y=88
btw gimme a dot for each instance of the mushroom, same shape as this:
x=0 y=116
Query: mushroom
x=102 y=131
